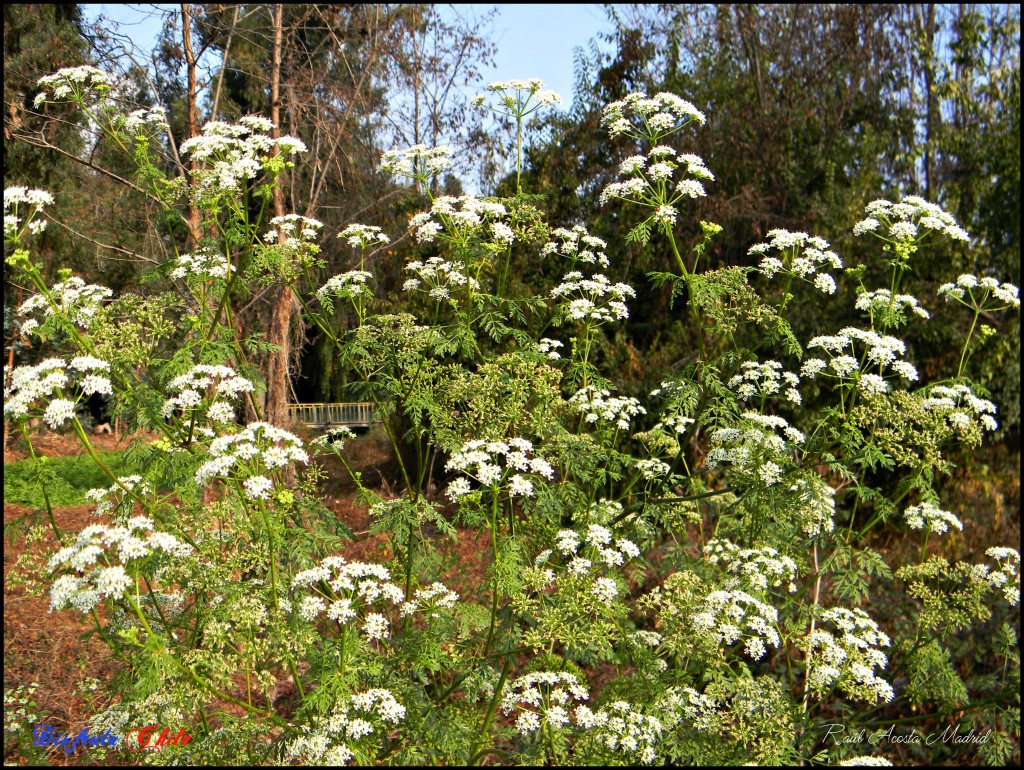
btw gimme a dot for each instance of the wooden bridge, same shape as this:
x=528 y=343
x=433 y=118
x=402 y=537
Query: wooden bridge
x=356 y=414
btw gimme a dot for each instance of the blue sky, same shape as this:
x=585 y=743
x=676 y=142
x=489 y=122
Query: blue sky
x=534 y=40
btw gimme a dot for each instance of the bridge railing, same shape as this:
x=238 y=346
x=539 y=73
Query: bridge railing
x=355 y=414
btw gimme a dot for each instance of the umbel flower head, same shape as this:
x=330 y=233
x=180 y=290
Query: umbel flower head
x=931 y=518
x=908 y=221
x=73 y=298
x=236 y=152
x=881 y=352
x=459 y=219
x=494 y=462
x=45 y=387
x=798 y=255
x=100 y=554
x=649 y=118
x=417 y=162
x=354 y=721
x=249 y=455
x=206 y=391
x=21 y=207
x=71 y=84
x=595 y=300
x=519 y=98
x=344 y=591
x=599 y=405
x=364 y=236
x=438 y=277
x=981 y=293
x=847 y=660
x=202 y=264
x=542 y=698
x=577 y=245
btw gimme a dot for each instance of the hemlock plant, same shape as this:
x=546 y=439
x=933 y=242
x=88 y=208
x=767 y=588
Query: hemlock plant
x=684 y=578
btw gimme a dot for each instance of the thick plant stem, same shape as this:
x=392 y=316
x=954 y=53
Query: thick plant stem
x=494 y=549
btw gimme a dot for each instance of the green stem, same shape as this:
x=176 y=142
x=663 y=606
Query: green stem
x=42 y=487
x=474 y=753
x=494 y=549
x=967 y=344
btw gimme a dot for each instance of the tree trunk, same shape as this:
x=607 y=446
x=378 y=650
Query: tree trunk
x=278 y=384
x=193 y=112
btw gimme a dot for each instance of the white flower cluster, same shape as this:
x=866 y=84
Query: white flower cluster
x=800 y=255
x=960 y=406
x=576 y=245
x=364 y=236
x=549 y=348
x=249 y=454
x=728 y=616
x=596 y=405
x=1007 y=577
x=334 y=438
x=761 y=568
x=675 y=423
x=437 y=276
x=483 y=461
x=595 y=299
x=343 y=590
x=418 y=161
x=349 y=285
x=649 y=178
x=880 y=350
x=905 y=220
x=765 y=380
x=36 y=200
x=206 y=389
x=848 y=661
x=73 y=297
x=97 y=543
x=72 y=82
x=114 y=499
x=652 y=469
x=931 y=518
x=29 y=387
x=326 y=742
x=966 y=284
x=754 y=446
x=542 y=698
x=584 y=563
x=599 y=545
x=202 y=264
x=649 y=118
x=463 y=217
x=524 y=90
x=295 y=234
x=882 y=300
x=433 y=597
x=142 y=124
x=623 y=728
x=236 y=152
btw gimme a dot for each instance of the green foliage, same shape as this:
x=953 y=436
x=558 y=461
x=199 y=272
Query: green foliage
x=66 y=479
